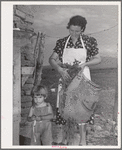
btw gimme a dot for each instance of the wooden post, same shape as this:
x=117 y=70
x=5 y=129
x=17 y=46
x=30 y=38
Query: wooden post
x=39 y=59
x=16 y=89
x=19 y=40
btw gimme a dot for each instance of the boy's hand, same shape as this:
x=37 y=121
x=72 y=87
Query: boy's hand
x=38 y=118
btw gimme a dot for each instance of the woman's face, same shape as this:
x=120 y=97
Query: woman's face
x=75 y=31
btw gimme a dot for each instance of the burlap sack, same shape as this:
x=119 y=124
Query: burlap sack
x=79 y=99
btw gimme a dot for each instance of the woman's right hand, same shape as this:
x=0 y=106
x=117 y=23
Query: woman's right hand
x=64 y=74
x=33 y=118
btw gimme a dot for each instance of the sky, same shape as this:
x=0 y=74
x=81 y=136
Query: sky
x=102 y=20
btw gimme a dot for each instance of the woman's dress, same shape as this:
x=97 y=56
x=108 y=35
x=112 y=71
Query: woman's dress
x=76 y=101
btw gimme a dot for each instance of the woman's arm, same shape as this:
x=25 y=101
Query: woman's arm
x=93 y=61
x=53 y=63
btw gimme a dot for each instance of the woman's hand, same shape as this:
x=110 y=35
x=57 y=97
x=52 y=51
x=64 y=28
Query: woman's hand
x=64 y=74
x=33 y=118
x=38 y=118
x=82 y=66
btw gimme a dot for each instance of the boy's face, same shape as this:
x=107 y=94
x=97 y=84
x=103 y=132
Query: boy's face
x=39 y=97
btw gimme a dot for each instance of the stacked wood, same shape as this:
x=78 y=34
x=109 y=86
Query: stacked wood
x=23 y=18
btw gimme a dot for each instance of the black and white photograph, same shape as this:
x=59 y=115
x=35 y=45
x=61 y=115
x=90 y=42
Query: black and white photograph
x=61 y=74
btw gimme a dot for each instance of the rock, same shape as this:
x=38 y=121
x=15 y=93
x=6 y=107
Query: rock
x=89 y=136
x=102 y=134
x=116 y=131
x=57 y=133
x=88 y=129
x=108 y=127
x=76 y=140
x=98 y=128
x=90 y=143
x=102 y=119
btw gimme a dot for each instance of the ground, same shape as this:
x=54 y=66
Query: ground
x=104 y=130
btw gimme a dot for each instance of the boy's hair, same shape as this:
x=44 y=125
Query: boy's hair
x=38 y=88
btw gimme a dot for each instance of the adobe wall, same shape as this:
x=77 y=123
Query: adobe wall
x=22 y=54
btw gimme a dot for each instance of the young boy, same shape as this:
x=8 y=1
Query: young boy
x=40 y=115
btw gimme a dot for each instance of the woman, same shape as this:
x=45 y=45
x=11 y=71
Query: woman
x=79 y=49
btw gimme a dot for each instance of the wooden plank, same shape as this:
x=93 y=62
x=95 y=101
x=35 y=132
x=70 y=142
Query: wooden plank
x=16 y=128
x=21 y=25
x=16 y=89
x=39 y=59
x=16 y=19
x=29 y=19
x=20 y=14
x=24 y=79
x=26 y=9
x=36 y=48
x=27 y=70
x=30 y=29
x=14 y=7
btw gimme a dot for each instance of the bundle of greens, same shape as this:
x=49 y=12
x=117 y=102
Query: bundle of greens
x=72 y=71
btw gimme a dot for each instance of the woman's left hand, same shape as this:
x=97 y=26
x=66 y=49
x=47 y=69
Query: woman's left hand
x=82 y=66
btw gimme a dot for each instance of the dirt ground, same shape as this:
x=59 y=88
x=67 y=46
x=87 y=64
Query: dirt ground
x=103 y=132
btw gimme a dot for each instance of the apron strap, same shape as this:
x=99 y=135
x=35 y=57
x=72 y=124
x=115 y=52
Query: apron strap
x=82 y=42
x=67 y=41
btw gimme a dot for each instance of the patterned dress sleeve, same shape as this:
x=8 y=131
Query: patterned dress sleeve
x=92 y=48
x=58 y=47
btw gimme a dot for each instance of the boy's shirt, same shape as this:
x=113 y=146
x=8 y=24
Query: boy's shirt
x=41 y=111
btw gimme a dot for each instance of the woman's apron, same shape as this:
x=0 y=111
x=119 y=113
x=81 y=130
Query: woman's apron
x=81 y=92
x=69 y=56
x=79 y=54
